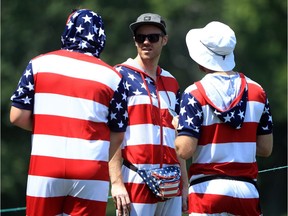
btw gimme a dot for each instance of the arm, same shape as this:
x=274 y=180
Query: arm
x=264 y=145
x=185 y=184
x=21 y=118
x=118 y=191
x=185 y=146
x=116 y=138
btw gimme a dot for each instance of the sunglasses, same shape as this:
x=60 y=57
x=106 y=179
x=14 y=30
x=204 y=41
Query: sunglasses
x=152 y=38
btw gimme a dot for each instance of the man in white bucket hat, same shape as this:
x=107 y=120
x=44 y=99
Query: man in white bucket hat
x=224 y=122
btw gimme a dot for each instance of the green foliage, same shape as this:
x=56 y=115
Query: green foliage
x=29 y=28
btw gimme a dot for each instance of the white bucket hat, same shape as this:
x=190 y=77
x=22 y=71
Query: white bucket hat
x=212 y=46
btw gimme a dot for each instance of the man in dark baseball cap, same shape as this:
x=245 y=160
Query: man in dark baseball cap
x=152 y=92
x=151 y=19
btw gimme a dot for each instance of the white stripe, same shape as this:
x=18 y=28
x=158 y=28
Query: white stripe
x=78 y=69
x=170 y=192
x=207 y=214
x=145 y=99
x=252 y=81
x=143 y=209
x=38 y=186
x=148 y=133
x=237 y=189
x=226 y=152
x=169 y=207
x=165 y=73
x=142 y=134
x=70 y=107
x=253 y=113
x=71 y=148
x=190 y=88
x=138 y=99
x=169 y=137
x=169 y=185
x=131 y=176
x=165 y=101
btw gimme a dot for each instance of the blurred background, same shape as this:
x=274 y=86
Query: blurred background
x=29 y=28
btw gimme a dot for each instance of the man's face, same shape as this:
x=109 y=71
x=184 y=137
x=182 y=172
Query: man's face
x=149 y=48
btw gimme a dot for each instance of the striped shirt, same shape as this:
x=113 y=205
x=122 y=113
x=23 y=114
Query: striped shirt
x=149 y=139
x=226 y=139
x=76 y=100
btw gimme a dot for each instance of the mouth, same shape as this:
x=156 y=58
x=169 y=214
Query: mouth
x=147 y=49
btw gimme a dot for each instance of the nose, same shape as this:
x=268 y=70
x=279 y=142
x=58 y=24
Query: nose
x=146 y=40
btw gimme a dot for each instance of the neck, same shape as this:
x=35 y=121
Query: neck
x=224 y=72
x=149 y=66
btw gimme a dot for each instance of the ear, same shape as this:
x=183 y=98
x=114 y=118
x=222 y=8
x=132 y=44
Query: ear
x=135 y=43
x=165 y=40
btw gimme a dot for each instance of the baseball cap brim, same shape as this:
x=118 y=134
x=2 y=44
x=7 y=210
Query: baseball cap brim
x=135 y=25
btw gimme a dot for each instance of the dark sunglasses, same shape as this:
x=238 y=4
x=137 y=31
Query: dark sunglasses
x=152 y=38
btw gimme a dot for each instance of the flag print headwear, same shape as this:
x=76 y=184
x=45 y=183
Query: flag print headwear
x=84 y=32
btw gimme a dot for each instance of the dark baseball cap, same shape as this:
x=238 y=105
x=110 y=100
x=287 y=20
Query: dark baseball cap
x=149 y=19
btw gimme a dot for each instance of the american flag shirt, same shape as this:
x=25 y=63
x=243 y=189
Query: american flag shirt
x=149 y=138
x=226 y=134
x=76 y=99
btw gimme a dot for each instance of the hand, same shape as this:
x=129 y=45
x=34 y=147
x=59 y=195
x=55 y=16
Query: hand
x=121 y=199
x=185 y=194
x=175 y=121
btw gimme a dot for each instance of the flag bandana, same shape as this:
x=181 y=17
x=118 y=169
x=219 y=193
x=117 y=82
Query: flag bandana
x=84 y=32
x=163 y=182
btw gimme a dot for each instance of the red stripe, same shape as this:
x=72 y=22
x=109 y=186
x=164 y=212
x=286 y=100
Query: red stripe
x=150 y=116
x=256 y=93
x=249 y=170
x=44 y=206
x=140 y=193
x=74 y=87
x=78 y=206
x=208 y=133
x=170 y=189
x=170 y=84
x=150 y=154
x=68 y=205
x=68 y=168
x=210 y=203
x=145 y=118
x=199 y=97
x=167 y=119
x=64 y=126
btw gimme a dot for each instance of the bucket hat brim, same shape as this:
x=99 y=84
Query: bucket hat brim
x=205 y=57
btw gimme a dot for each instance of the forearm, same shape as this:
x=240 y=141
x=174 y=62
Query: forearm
x=184 y=175
x=115 y=168
x=264 y=145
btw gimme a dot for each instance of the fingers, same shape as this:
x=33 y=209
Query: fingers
x=185 y=204
x=122 y=204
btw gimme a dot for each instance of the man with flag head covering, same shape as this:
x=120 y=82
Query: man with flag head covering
x=74 y=104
